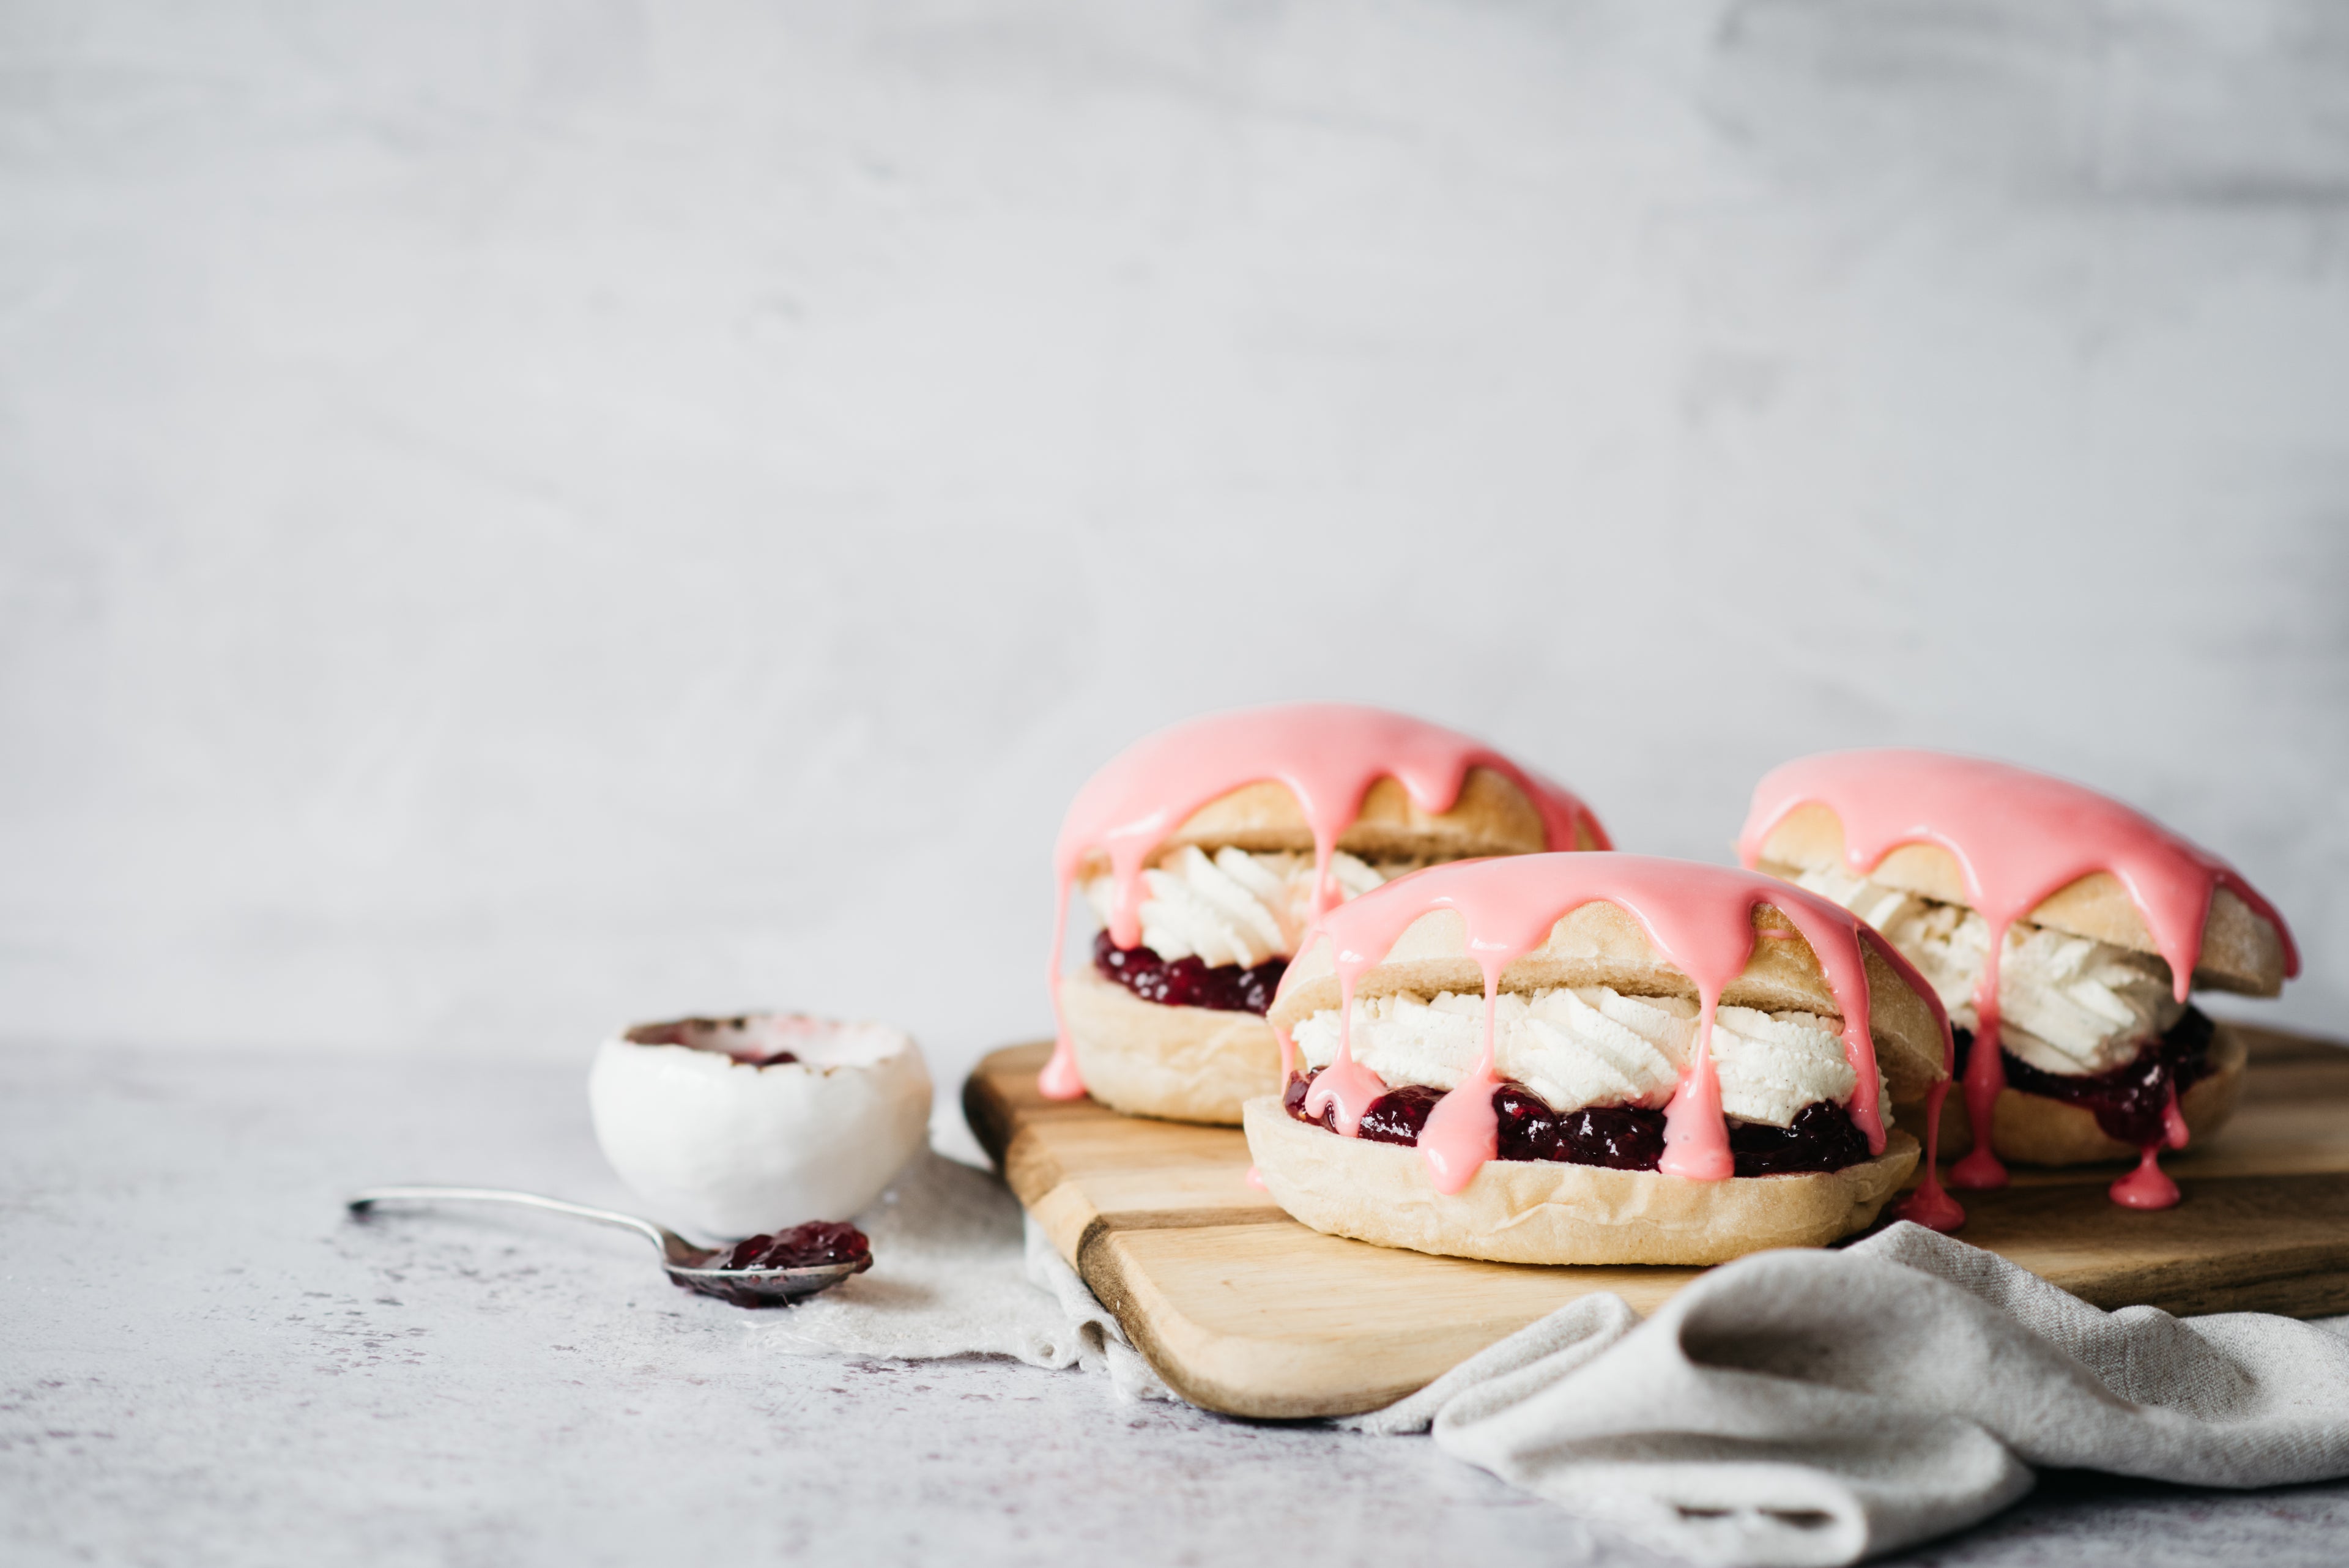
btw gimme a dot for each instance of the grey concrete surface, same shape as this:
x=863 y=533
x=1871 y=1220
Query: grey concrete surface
x=519 y=517
x=516 y=518
x=202 y=1364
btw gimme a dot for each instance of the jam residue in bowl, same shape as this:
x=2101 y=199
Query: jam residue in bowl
x=753 y=1039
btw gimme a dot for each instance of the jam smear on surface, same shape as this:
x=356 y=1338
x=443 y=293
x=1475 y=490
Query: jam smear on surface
x=1618 y=1137
x=2131 y=1102
x=1186 y=981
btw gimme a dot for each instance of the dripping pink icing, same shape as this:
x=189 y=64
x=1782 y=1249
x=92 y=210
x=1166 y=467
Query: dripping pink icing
x=2019 y=838
x=1700 y=918
x=2146 y=1186
x=1929 y=1206
x=1345 y=1088
x=1328 y=754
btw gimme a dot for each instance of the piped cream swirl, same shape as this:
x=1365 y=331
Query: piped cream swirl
x=1233 y=907
x=1593 y=1045
x=2067 y=1004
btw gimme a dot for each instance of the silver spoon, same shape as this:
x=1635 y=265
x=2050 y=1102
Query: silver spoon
x=688 y=1264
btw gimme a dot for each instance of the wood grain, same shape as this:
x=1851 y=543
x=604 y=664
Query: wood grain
x=1243 y=1310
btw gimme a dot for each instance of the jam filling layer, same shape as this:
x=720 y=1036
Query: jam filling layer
x=2129 y=1102
x=1187 y=983
x=1618 y=1137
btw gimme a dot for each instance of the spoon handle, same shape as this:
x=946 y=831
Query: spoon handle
x=360 y=1202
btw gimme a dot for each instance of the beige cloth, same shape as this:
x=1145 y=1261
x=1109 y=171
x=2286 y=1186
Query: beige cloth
x=1815 y=1408
x=959 y=1270
x=1794 y=1407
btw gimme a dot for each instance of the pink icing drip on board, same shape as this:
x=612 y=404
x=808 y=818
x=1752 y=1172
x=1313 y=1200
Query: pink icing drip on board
x=1929 y=1206
x=1328 y=755
x=2149 y=1186
x=2019 y=838
x=2146 y=1186
x=1700 y=918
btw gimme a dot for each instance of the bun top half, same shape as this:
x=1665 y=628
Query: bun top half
x=1492 y=816
x=2242 y=951
x=1599 y=943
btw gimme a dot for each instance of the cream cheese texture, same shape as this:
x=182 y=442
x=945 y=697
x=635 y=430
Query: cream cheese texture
x=2066 y=1004
x=1232 y=908
x=1592 y=1045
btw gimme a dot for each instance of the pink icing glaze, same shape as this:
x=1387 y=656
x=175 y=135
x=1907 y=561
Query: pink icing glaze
x=2019 y=838
x=1929 y=1206
x=2146 y=1186
x=1345 y=1087
x=1700 y=918
x=1328 y=754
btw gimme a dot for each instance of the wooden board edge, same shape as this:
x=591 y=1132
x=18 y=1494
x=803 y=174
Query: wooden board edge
x=2302 y=1282
x=986 y=1111
x=2271 y=1045
x=1085 y=1239
x=1019 y=1157
x=1191 y=1370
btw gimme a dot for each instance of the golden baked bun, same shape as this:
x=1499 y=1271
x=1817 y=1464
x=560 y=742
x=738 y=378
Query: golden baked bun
x=1492 y=816
x=2034 y=1130
x=1546 y=1211
x=1600 y=944
x=2241 y=951
x=1181 y=1064
x=1199 y=1064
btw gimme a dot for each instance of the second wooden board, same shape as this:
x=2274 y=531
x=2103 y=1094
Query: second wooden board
x=1243 y=1310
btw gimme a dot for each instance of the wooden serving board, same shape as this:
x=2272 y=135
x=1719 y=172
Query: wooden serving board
x=1243 y=1310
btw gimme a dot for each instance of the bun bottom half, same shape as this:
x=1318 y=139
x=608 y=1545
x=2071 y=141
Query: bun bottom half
x=1179 y=1064
x=2035 y=1131
x=1524 y=1212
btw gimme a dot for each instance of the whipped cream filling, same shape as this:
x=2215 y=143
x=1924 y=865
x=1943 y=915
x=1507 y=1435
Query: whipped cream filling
x=1233 y=907
x=2066 y=1004
x=1593 y=1045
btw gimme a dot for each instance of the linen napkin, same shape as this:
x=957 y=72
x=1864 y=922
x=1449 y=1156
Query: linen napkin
x=1788 y=1409
x=1815 y=1408
x=959 y=1270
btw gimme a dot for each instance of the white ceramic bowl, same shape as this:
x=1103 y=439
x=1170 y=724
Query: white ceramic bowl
x=714 y=1144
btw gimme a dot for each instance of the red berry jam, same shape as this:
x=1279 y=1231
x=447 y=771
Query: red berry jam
x=815 y=1245
x=1618 y=1137
x=1186 y=981
x=1292 y=1100
x=1823 y=1136
x=2130 y=1101
x=1397 y=1116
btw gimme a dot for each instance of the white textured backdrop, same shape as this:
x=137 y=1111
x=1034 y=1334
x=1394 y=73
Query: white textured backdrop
x=518 y=518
